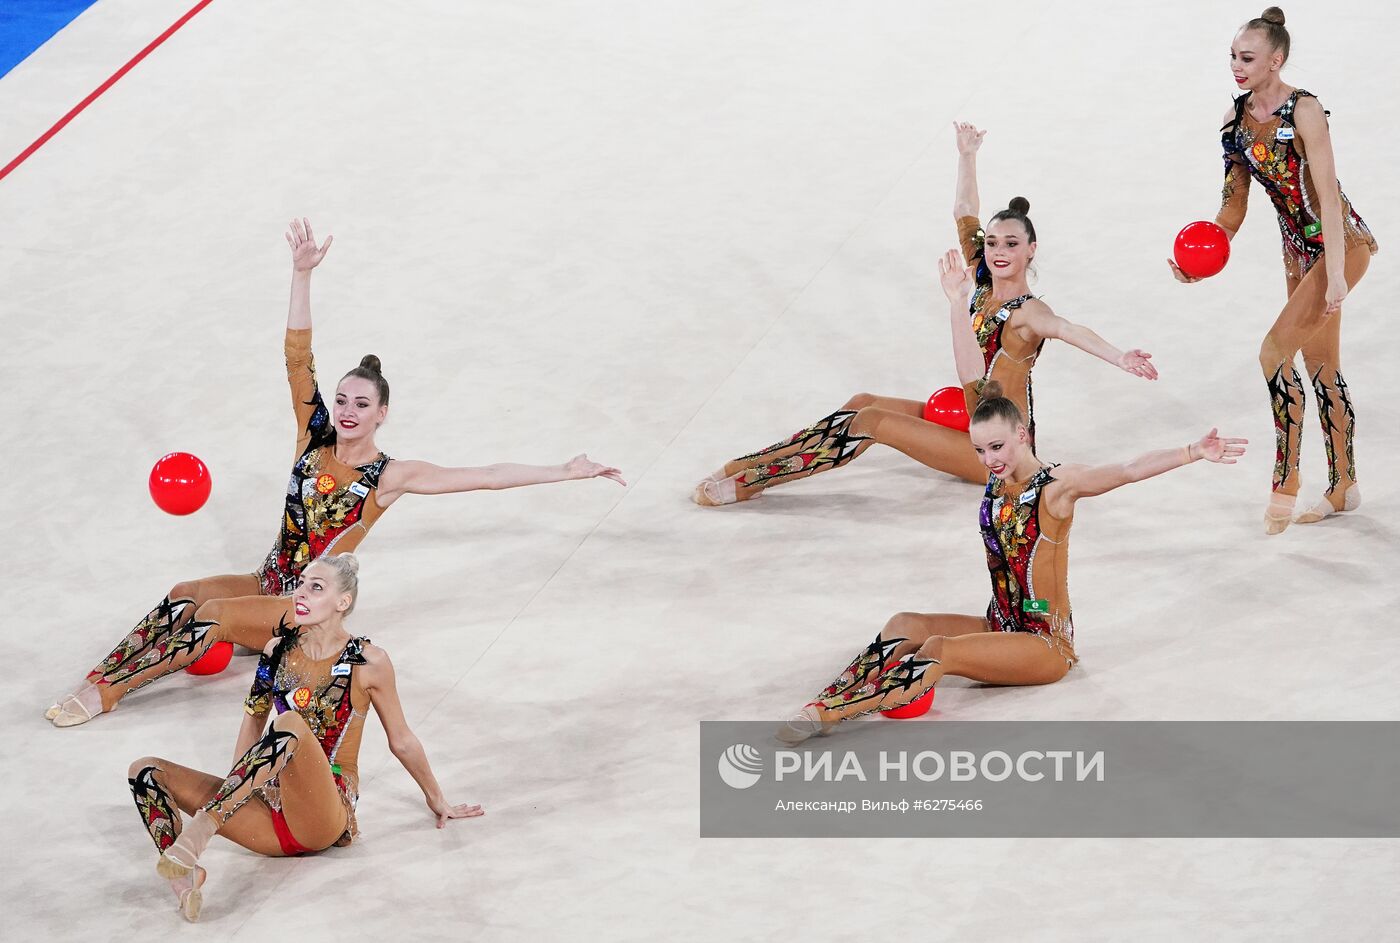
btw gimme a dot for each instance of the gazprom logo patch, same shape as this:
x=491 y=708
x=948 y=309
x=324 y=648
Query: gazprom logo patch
x=740 y=766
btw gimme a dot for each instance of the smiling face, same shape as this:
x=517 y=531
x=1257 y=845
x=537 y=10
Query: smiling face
x=1000 y=445
x=1007 y=248
x=1252 y=60
x=318 y=596
x=357 y=412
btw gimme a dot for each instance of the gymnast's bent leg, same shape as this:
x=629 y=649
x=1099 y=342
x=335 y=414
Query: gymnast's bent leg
x=175 y=634
x=937 y=645
x=313 y=814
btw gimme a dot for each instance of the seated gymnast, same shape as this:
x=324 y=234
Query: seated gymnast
x=294 y=784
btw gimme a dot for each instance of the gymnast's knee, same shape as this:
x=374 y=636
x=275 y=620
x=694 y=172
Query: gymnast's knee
x=145 y=762
x=1270 y=357
x=185 y=589
x=933 y=648
x=867 y=421
x=290 y=722
x=860 y=401
x=212 y=611
x=900 y=625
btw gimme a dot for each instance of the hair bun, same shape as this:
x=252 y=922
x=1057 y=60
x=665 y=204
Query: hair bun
x=1273 y=15
x=352 y=562
x=1019 y=204
x=991 y=390
x=372 y=364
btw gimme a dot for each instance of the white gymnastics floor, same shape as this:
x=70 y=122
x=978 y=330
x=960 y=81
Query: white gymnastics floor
x=664 y=233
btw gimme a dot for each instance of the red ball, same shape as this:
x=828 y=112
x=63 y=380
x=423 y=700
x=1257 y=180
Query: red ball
x=212 y=661
x=180 y=483
x=1201 y=249
x=948 y=407
x=915 y=708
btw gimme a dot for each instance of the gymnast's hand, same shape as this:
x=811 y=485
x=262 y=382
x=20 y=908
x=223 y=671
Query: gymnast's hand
x=444 y=811
x=1213 y=448
x=969 y=138
x=1336 y=294
x=580 y=466
x=1180 y=275
x=305 y=255
x=954 y=276
x=1138 y=363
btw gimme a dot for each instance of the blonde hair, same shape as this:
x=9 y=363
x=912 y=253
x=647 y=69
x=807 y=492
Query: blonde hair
x=347 y=574
x=1270 y=23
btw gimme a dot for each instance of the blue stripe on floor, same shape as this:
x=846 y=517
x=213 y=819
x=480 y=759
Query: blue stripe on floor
x=25 y=25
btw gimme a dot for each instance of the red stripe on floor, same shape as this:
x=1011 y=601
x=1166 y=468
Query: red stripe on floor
x=78 y=108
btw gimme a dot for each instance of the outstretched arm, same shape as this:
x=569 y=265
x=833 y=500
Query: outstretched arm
x=1317 y=144
x=412 y=477
x=969 y=139
x=1038 y=317
x=1084 y=481
x=403 y=742
x=305 y=257
x=957 y=285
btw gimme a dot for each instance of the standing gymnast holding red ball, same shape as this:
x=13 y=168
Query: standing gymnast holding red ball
x=340 y=484
x=1278 y=135
x=1011 y=326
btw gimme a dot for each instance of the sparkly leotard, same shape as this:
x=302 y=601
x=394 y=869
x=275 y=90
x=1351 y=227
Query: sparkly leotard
x=330 y=505
x=1006 y=357
x=1028 y=559
x=327 y=697
x=1269 y=152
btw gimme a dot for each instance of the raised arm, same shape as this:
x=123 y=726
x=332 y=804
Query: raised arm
x=1317 y=145
x=312 y=415
x=1234 y=198
x=1037 y=316
x=969 y=139
x=412 y=477
x=1085 y=481
x=956 y=280
x=305 y=257
x=404 y=743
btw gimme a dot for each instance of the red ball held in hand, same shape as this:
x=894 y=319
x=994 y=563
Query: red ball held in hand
x=1201 y=249
x=948 y=407
x=180 y=483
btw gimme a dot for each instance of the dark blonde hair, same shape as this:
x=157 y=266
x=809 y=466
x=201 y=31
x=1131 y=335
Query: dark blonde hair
x=1270 y=23
x=347 y=574
x=369 y=369
x=992 y=405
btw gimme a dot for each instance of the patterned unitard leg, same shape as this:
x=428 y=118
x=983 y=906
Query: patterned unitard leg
x=1304 y=323
x=1322 y=359
x=183 y=626
x=839 y=438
